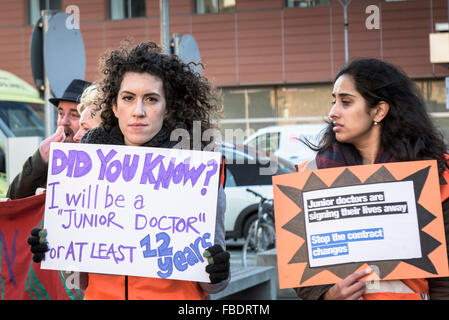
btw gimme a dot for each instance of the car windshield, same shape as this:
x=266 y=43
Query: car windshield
x=248 y=170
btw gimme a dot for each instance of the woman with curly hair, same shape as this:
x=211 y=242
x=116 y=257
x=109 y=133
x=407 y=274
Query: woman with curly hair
x=188 y=97
x=145 y=95
x=379 y=116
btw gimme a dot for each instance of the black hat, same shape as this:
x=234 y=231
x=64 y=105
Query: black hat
x=73 y=92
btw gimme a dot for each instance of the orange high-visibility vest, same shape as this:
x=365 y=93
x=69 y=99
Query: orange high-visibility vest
x=112 y=287
x=406 y=289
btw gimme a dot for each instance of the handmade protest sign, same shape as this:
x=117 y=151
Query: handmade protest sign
x=385 y=216
x=130 y=210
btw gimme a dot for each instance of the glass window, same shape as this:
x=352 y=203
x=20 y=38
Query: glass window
x=35 y=7
x=22 y=119
x=248 y=109
x=226 y=5
x=434 y=94
x=304 y=100
x=214 y=6
x=245 y=111
x=127 y=9
x=306 y=3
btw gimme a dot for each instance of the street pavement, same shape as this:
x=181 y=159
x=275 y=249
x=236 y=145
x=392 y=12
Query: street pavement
x=235 y=249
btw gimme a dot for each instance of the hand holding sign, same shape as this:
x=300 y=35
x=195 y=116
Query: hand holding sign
x=350 y=288
x=38 y=243
x=219 y=266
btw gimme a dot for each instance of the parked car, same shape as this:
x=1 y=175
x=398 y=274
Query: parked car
x=285 y=141
x=244 y=168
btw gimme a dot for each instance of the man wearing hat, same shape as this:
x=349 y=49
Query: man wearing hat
x=34 y=172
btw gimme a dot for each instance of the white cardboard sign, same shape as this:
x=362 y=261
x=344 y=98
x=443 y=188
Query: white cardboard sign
x=130 y=210
x=383 y=216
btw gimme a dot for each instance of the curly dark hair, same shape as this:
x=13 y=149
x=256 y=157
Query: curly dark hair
x=189 y=96
x=407 y=130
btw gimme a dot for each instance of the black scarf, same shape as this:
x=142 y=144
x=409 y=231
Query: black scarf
x=341 y=154
x=100 y=136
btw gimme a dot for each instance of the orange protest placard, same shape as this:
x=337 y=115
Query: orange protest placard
x=333 y=222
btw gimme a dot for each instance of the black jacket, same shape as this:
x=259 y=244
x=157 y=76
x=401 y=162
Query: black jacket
x=33 y=176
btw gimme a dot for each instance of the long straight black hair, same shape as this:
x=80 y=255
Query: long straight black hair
x=407 y=131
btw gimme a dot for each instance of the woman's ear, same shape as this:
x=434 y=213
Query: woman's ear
x=380 y=111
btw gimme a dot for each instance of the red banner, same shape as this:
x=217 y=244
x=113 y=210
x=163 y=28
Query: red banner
x=20 y=277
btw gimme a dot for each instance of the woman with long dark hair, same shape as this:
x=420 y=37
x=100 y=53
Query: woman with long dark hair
x=379 y=116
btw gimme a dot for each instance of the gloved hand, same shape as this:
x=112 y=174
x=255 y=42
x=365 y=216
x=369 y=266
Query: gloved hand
x=38 y=242
x=218 y=267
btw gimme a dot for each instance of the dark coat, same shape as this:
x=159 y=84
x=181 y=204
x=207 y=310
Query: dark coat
x=33 y=176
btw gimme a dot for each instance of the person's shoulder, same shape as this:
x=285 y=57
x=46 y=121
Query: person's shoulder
x=96 y=135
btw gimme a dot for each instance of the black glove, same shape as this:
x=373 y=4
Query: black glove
x=218 y=267
x=38 y=242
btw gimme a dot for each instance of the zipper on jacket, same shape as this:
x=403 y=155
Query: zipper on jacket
x=126 y=287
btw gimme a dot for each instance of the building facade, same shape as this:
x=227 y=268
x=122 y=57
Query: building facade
x=274 y=60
